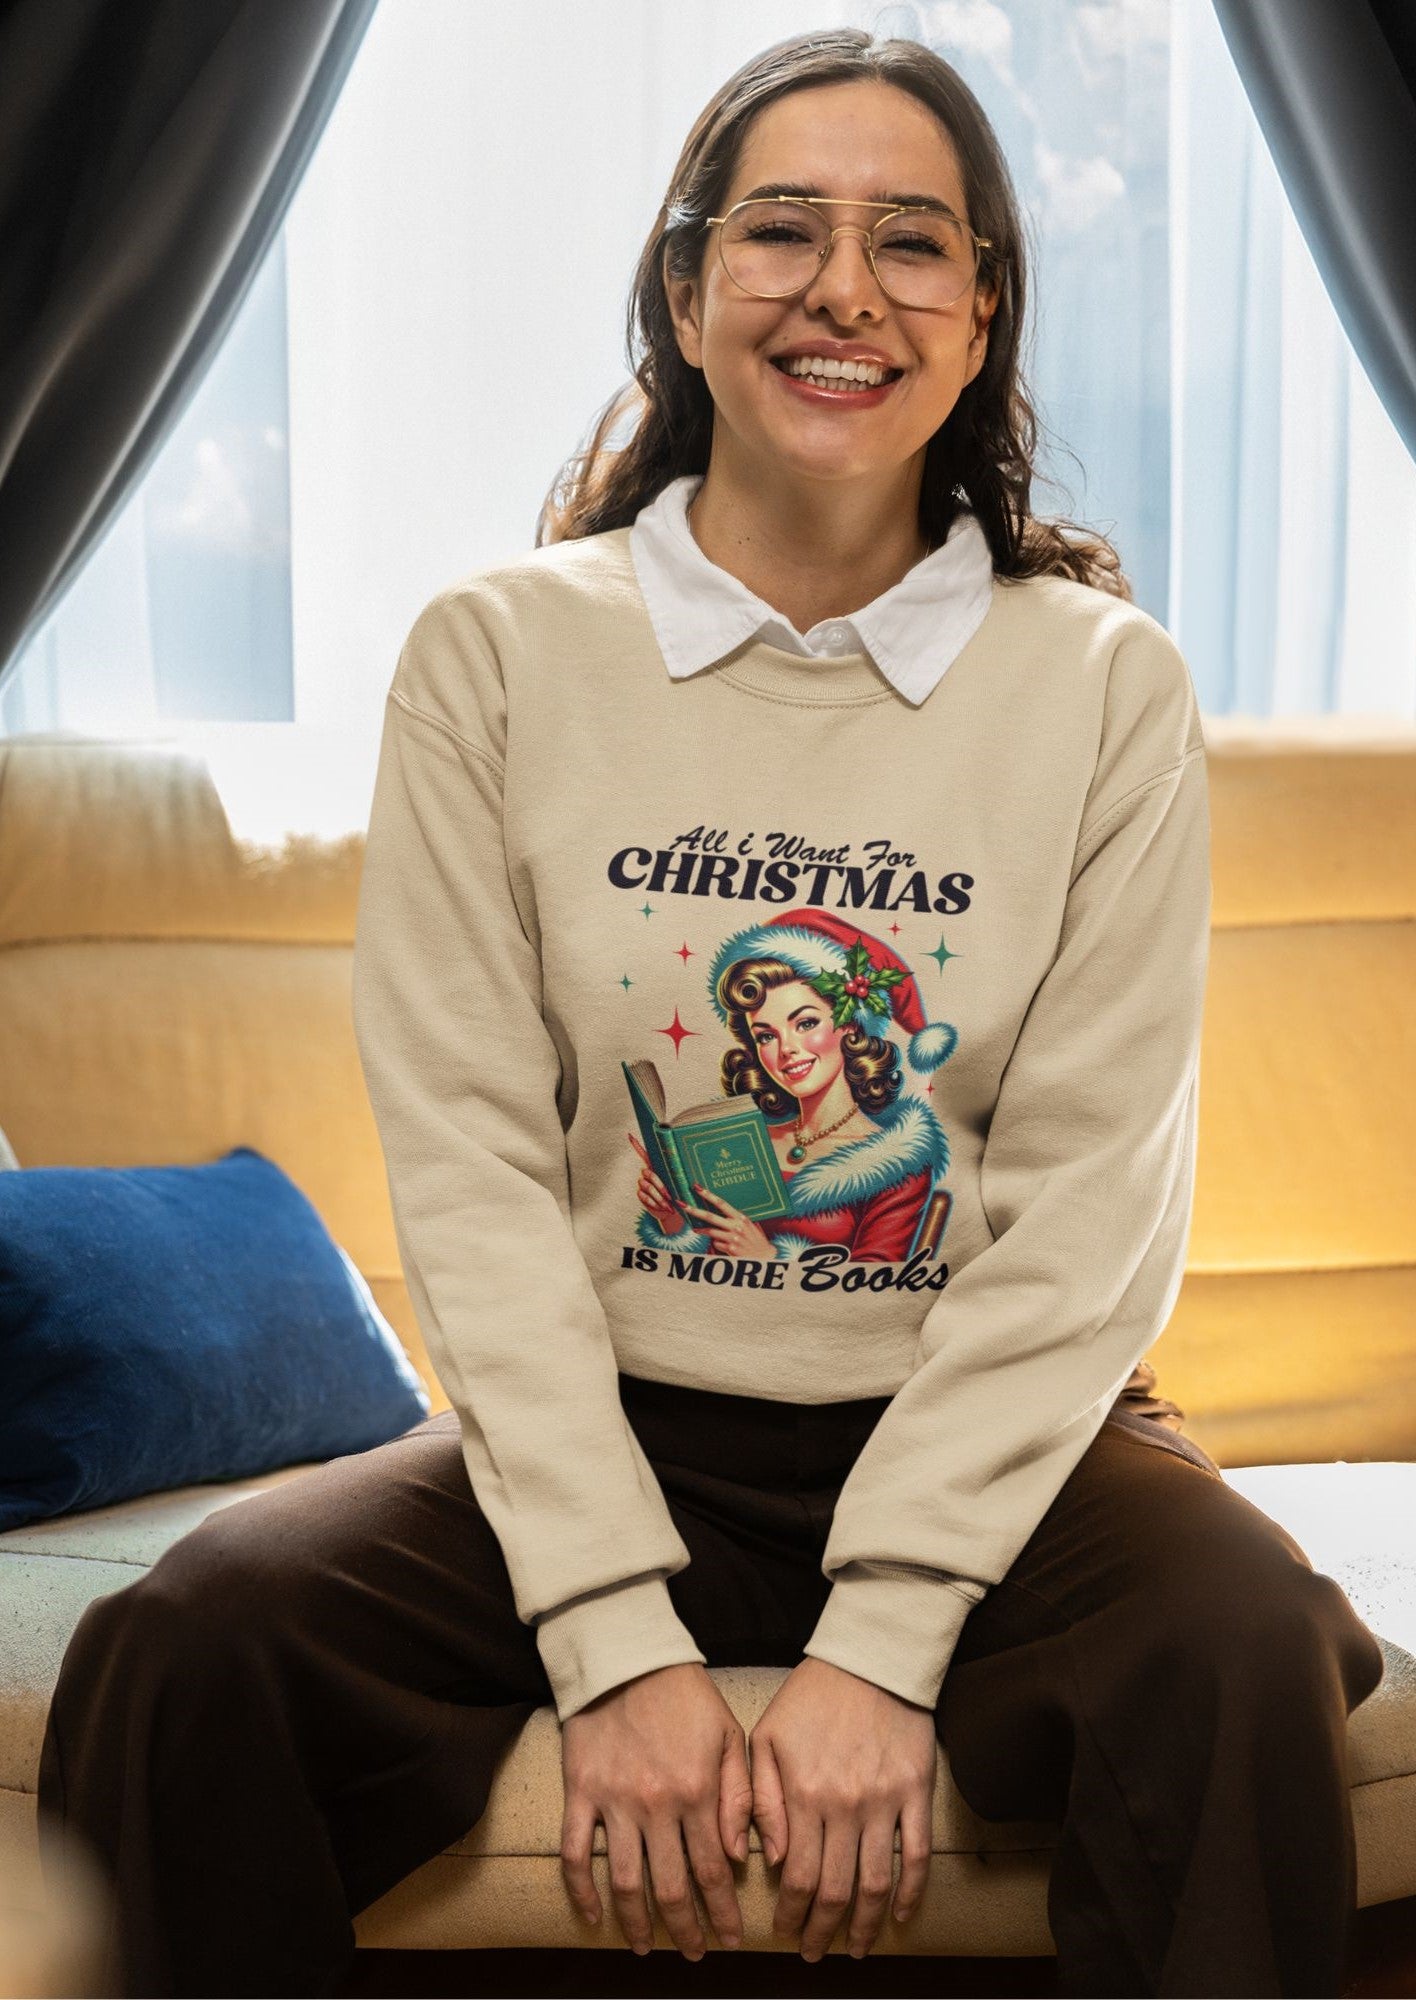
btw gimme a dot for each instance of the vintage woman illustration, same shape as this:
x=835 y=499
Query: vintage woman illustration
x=808 y=999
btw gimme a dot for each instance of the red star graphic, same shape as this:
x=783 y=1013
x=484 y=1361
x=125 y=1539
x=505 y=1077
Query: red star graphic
x=684 y=953
x=896 y=929
x=678 y=1033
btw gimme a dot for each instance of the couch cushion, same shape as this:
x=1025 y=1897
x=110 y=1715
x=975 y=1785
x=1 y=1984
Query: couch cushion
x=1290 y=1339
x=51 y=1570
x=500 y=1884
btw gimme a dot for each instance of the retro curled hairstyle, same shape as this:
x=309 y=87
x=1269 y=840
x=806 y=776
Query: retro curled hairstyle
x=872 y=1064
x=986 y=445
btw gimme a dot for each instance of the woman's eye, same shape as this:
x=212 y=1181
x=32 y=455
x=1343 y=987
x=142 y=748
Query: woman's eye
x=913 y=246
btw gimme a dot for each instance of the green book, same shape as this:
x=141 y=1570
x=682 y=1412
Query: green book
x=724 y=1146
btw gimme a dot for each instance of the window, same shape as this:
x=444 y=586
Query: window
x=403 y=384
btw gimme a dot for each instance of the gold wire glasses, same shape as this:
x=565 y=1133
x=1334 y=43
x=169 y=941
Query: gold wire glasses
x=772 y=246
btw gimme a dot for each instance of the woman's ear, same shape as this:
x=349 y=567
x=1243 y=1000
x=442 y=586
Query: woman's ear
x=681 y=295
x=985 y=305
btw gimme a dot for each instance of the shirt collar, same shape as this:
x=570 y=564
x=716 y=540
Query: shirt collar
x=913 y=631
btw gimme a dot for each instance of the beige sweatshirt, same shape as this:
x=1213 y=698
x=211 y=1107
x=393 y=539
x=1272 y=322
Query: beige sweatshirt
x=935 y=972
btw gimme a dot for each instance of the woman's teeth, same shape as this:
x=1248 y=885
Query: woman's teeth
x=834 y=374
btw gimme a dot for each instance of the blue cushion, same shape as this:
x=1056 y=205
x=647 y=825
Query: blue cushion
x=166 y=1326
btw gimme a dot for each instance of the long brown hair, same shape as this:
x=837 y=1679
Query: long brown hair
x=987 y=443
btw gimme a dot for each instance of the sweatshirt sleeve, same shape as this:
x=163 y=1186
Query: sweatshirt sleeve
x=1087 y=1182
x=463 y=1079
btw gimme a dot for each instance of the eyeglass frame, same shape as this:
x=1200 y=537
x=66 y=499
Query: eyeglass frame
x=848 y=229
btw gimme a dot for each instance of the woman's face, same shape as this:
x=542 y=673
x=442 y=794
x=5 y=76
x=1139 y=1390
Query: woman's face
x=861 y=141
x=798 y=1044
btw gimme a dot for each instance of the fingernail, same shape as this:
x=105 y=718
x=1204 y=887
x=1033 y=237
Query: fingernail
x=769 y=1848
x=740 y=1847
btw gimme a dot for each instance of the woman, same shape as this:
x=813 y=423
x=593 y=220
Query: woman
x=752 y=661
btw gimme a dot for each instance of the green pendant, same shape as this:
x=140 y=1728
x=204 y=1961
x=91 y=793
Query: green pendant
x=797 y=1153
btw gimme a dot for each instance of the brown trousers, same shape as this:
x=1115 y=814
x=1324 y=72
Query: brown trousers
x=305 y=1698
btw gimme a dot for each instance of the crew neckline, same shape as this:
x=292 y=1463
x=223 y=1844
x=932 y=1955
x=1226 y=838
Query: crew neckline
x=756 y=666
x=830 y=680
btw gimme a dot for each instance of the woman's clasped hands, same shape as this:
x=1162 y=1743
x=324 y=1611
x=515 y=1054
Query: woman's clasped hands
x=836 y=1764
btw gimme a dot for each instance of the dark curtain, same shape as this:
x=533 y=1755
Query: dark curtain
x=1333 y=86
x=149 y=150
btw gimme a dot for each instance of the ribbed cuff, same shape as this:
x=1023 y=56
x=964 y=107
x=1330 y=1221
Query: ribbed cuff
x=898 y=1631
x=608 y=1636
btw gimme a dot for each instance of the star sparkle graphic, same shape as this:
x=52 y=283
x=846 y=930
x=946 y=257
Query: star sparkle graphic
x=678 y=1034
x=941 y=952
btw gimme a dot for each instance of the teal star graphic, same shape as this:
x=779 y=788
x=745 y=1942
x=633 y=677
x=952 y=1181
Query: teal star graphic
x=648 y=910
x=942 y=953
x=626 y=982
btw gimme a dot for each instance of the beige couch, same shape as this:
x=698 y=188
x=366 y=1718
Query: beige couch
x=170 y=988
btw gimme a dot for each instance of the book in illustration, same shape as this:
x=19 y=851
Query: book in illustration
x=725 y=1146
x=816 y=1138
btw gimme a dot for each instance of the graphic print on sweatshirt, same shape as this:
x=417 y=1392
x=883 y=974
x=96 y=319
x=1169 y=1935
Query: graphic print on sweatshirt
x=821 y=1149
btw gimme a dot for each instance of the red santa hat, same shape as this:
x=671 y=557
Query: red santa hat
x=866 y=980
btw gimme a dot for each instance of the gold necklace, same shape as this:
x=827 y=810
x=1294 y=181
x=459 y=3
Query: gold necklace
x=798 y=1151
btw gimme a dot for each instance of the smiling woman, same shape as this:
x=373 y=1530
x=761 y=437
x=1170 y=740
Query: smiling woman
x=839 y=211
x=800 y=745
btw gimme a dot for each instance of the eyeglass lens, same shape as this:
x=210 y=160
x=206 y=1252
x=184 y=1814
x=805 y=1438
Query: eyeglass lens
x=774 y=248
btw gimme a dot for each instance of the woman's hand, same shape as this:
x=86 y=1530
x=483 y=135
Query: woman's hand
x=662 y=1760
x=654 y=1196
x=836 y=1761
x=733 y=1234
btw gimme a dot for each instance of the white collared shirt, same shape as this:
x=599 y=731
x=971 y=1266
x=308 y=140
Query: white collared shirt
x=913 y=631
